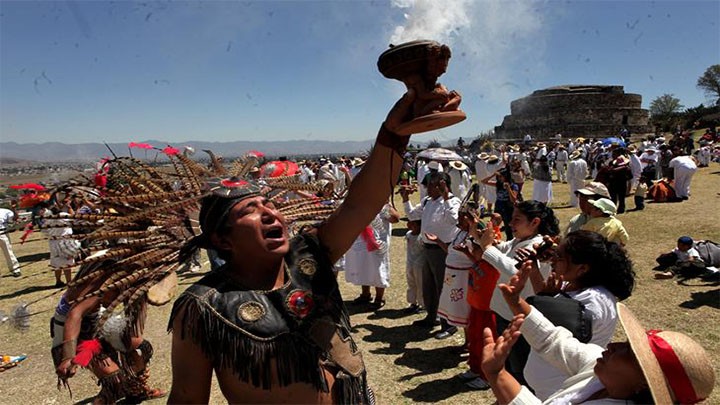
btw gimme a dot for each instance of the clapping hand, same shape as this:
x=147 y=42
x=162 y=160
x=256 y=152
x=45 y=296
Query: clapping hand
x=511 y=291
x=496 y=351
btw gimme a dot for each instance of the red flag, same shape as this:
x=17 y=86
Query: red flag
x=140 y=145
x=170 y=151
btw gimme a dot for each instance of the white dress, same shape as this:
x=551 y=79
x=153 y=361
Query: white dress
x=453 y=305
x=363 y=267
x=63 y=250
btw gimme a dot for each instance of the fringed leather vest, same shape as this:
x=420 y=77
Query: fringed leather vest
x=299 y=326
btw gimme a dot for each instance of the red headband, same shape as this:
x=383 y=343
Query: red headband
x=673 y=369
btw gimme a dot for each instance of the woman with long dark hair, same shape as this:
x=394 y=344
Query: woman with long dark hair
x=592 y=270
x=529 y=222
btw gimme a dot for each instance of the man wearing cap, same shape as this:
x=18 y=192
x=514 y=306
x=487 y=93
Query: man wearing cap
x=459 y=179
x=439 y=212
x=271 y=323
x=592 y=191
x=577 y=172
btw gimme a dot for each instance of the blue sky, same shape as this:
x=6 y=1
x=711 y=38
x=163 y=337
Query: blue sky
x=90 y=71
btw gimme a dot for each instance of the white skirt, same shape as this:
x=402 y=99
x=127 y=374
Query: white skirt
x=542 y=191
x=453 y=305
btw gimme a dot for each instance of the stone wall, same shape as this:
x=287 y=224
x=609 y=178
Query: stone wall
x=575 y=110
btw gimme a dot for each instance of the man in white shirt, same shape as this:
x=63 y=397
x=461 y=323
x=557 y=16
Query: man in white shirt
x=561 y=159
x=577 y=172
x=459 y=178
x=481 y=171
x=649 y=157
x=684 y=167
x=439 y=213
x=6 y=218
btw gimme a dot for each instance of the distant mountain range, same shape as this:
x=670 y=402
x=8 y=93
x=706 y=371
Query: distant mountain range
x=63 y=152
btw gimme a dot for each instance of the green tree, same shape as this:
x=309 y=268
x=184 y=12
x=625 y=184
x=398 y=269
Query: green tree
x=709 y=82
x=665 y=111
x=434 y=144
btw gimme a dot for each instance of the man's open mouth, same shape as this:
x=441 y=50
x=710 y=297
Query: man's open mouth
x=274 y=233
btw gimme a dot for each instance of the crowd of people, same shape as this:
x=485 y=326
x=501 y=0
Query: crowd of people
x=269 y=319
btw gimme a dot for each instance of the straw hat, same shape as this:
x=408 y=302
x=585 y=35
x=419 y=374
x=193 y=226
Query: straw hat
x=456 y=164
x=676 y=368
x=541 y=145
x=483 y=156
x=575 y=154
x=357 y=162
x=515 y=148
x=493 y=159
x=580 y=139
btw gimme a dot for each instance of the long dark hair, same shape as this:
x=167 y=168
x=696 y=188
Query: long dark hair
x=608 y=263
x=549 y=224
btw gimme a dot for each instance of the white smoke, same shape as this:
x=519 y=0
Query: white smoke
x=498 y=44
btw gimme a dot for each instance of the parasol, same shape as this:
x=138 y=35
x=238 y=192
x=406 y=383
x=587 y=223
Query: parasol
x=612 y=140
x=277 y=168
x=28 y=186
x=439 y=154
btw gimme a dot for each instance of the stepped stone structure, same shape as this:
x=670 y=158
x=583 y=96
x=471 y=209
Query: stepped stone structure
x=574 y=110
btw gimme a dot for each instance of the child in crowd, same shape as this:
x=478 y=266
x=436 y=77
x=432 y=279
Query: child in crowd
x=413 y=269
x=684 y=260
x=603 y=221
x=640 y=193
x=481 y=281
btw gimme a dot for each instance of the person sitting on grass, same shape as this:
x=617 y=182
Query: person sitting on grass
x=684 y=260
x=603 y=221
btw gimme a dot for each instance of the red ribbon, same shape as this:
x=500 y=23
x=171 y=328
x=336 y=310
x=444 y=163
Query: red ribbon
x=673 y=369
x=369 y=237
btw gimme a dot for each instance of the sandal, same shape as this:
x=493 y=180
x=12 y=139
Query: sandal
x=153 y=393
x=375 y=305
x=362 y=299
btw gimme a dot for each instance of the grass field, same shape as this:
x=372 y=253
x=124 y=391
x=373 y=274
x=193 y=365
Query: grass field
x=405 y=365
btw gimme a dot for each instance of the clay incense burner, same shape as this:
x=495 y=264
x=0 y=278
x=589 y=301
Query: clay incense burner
x=418 y=64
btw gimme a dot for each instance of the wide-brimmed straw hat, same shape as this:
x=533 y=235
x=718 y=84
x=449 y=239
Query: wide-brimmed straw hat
x=483 y=156
x=458 y=165
x=357 y=162
x=676 y=368
x=575 y=154
x=493 y=159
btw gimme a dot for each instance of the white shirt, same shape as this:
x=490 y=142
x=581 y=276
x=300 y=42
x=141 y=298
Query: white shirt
x=561 y=156
x=635 y=165
x=439 y=217
x=577 y=169
x=459 y=182
x=685 y=162
x=502 y=258
x=6 y=216
x=600 y=304
x=653 y=157
x=686 y=255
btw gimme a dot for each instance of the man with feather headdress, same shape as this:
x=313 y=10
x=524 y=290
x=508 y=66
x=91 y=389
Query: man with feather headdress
x=271 y=323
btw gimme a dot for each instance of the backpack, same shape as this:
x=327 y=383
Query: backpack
x=662 y=192
x=709 y=252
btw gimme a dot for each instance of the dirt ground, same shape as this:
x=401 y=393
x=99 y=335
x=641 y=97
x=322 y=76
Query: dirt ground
x=405 y=364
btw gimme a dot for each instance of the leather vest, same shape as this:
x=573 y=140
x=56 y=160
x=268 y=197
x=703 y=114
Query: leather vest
x=299 y=326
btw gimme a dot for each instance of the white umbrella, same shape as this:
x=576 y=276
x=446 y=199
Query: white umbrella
x=439 y=154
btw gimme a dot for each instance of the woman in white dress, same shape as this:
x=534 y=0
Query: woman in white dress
x=367 y=263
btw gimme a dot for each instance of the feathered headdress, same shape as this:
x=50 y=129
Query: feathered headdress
x=150 y=220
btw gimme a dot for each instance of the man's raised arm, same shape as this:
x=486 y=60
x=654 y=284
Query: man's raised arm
x=372 y=186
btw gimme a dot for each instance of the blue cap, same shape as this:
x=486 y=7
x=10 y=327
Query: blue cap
x=685 y=240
